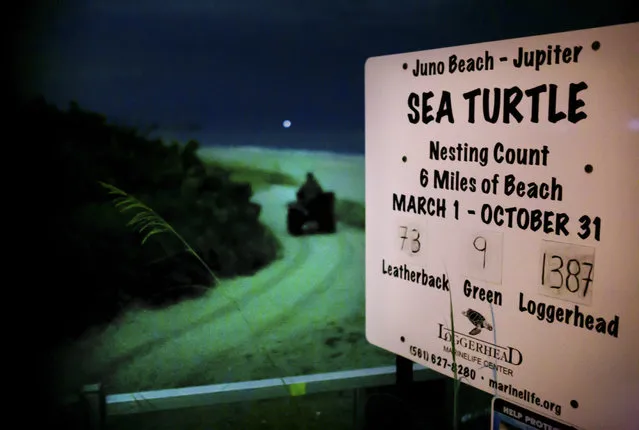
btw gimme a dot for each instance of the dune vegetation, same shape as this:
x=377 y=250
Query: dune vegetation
x=98 y=266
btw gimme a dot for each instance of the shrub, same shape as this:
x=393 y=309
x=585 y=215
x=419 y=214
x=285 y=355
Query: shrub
x=98 y=265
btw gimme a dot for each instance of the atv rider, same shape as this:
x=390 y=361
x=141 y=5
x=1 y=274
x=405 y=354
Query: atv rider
x=309 y=191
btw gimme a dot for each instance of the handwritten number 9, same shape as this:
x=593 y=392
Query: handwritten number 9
x=480 y=245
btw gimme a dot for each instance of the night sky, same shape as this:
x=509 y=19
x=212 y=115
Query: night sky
x=244 y=66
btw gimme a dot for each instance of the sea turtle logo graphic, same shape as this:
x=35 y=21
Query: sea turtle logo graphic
x=477 y=320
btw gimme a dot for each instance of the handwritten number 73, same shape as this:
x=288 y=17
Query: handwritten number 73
x=414 y=239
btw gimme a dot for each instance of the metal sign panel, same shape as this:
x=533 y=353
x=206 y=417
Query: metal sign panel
x=502 y=218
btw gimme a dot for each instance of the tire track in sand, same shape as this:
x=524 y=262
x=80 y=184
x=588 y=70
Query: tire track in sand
x=285 y=290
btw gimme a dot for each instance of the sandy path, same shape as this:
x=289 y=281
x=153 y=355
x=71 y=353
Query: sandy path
x=302 y=314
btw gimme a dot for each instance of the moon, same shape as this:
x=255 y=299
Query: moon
x=286 y=123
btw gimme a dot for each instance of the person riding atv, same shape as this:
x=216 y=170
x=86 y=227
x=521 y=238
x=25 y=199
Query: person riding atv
x=309 y=191
x=313 y=210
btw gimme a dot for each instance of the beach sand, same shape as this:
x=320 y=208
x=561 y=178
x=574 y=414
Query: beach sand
x=341 y=173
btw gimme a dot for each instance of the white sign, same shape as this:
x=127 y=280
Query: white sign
x=502 y=202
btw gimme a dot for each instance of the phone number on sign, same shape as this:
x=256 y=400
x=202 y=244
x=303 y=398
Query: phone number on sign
x=461 y=370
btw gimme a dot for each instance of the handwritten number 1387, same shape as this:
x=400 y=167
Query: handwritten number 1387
x=568 y=273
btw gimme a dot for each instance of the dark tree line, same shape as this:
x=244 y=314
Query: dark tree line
x=95 y=263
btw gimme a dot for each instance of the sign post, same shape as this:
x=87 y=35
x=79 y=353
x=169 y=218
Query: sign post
x=502 y=218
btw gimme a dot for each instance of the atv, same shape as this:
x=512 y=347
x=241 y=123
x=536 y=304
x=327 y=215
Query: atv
x=318 y=216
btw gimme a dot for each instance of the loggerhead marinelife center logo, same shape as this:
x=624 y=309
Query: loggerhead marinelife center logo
x=490 y=354
x=477 y=320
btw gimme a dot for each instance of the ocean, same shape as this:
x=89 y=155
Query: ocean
x=335 y=142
